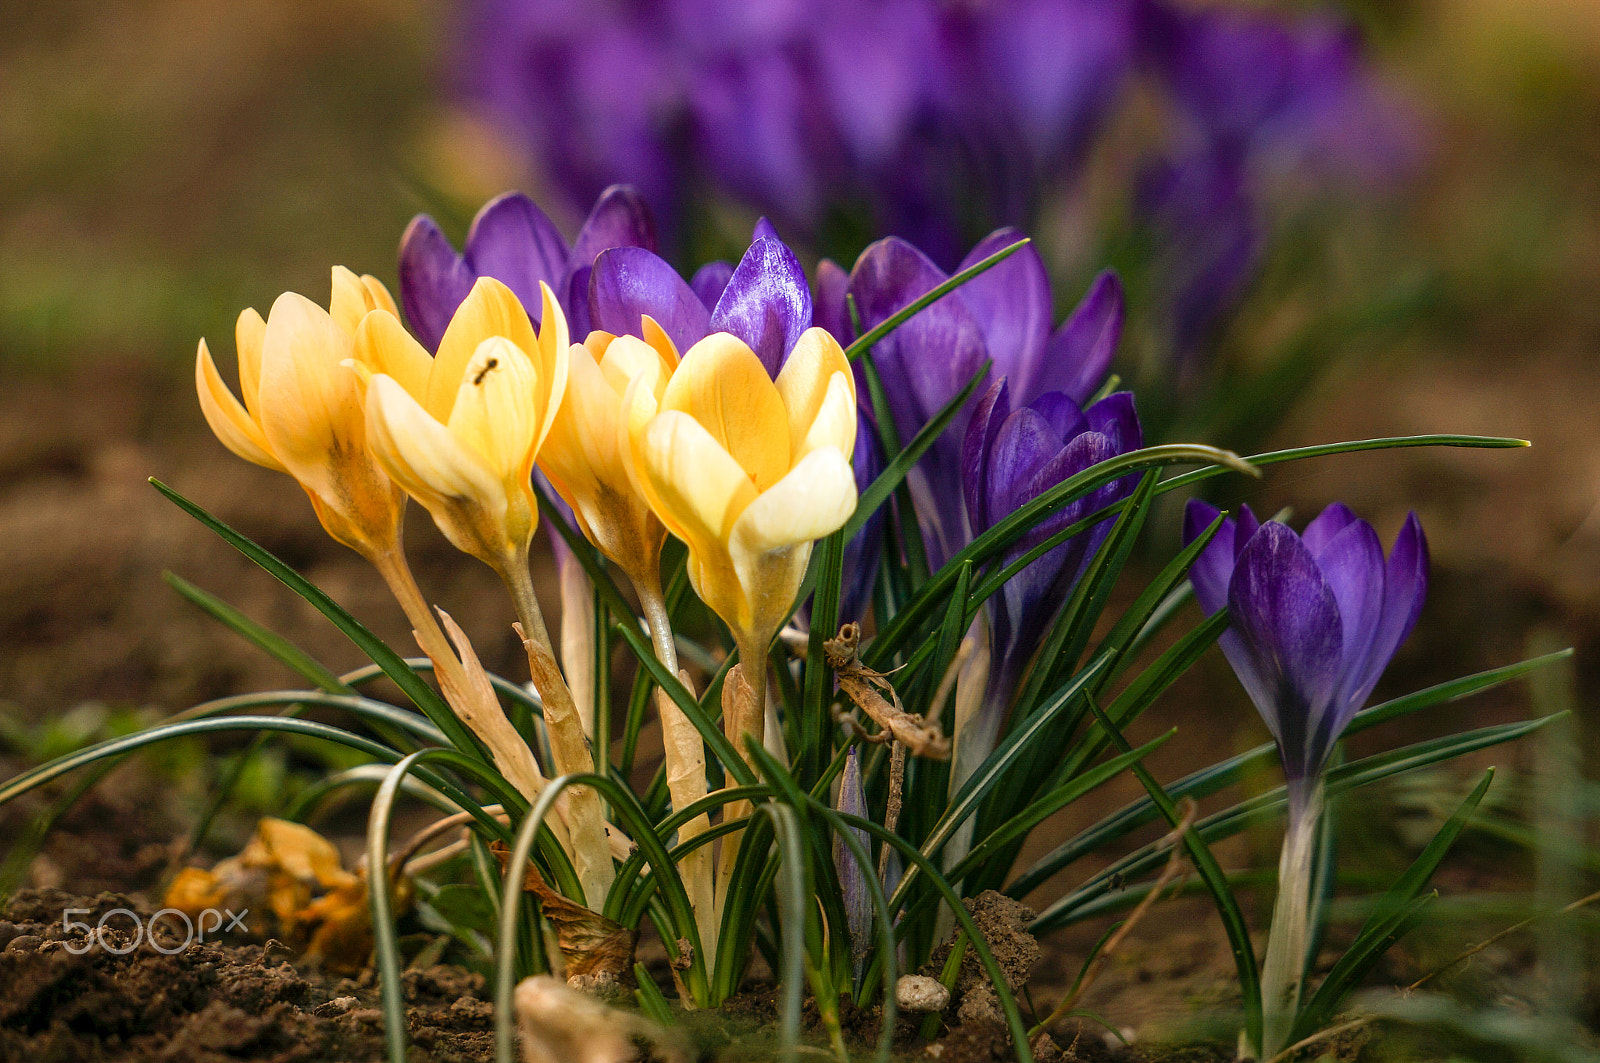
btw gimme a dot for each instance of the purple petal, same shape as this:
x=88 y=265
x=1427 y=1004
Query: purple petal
x=1287 y=642
x=830 y=311
x=767 y=302
x=764 y=230
x=861 y=554
x=433 y=280
x=1405 y=586
x=1065 y=418
x=1333 y=519
x=930 y=357
x=1011 y=303
x=1213 y=569
x=1022 y=445
x=710 y=281
x=987 y=416
x=1352 y=563
x=629 y=282
x=1079 y=353
x=513 y=241
x=1115 y=417
x=620 y=218
x=576 y=303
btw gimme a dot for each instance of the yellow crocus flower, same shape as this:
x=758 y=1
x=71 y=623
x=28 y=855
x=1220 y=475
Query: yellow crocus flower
x=584 y=455
x=748 y=471
x=459 y=431
x=302 y=409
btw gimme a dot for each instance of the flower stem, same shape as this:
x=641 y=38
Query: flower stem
x=744 y=714
x=591 y=856
x=466 y=690
x=685 y=755
x=1285 y=965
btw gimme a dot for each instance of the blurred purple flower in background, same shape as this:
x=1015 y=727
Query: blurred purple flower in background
x=926 y=120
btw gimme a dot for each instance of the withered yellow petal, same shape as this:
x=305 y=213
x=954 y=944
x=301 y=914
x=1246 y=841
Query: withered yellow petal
x=490 y=309
x=230 y=421
x=723 y=386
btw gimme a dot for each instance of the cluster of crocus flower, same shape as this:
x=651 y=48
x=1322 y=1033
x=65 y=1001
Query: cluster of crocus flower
x=1314 y=619
x=939 y=121
x=741 y=447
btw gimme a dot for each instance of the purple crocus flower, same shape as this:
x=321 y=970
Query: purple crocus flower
x=1009 y=458
x=516 y=243
x=1315 y=619
x=764 y=300
x=1002 y=316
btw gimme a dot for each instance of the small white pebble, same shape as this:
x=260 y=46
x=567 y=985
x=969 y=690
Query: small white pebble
x=919 y=994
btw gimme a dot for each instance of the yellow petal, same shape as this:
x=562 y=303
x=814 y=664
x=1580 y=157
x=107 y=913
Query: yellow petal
x=384 y=346
x=310 y=406
x=249 y=333
x=583 y=445
x=227 y=418
x=455 y=484
x=771 y=541
x=835 y=422
x=804 y=382
x=492 y=414
x=554 y=342
x=627 y=358
x=723 y=386
x=814 y=500
x=657 y=337
x=490 y=309
x=692 y=483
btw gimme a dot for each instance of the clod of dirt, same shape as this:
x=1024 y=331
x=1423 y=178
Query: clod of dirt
x=1002 y=922
x=919 y=994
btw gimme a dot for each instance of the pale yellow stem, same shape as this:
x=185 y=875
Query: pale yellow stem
x=577 y=638
x=591 y=855
x=744 y=714
x=685 y=755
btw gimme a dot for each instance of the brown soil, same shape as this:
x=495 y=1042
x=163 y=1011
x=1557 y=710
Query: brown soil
x=208 y=1002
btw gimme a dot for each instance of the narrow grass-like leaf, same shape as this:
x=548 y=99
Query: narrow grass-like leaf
x=1074 y=626
x=989 y=773
x=1266 y=807
x=276 y=646
x=1244 y=957
x=422 y=695
x=895 y=471
x=1212 y=779
x=815 y=720
x=932 y=296
x=1028 y=516
x=929 y=873
x=1379 y=932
